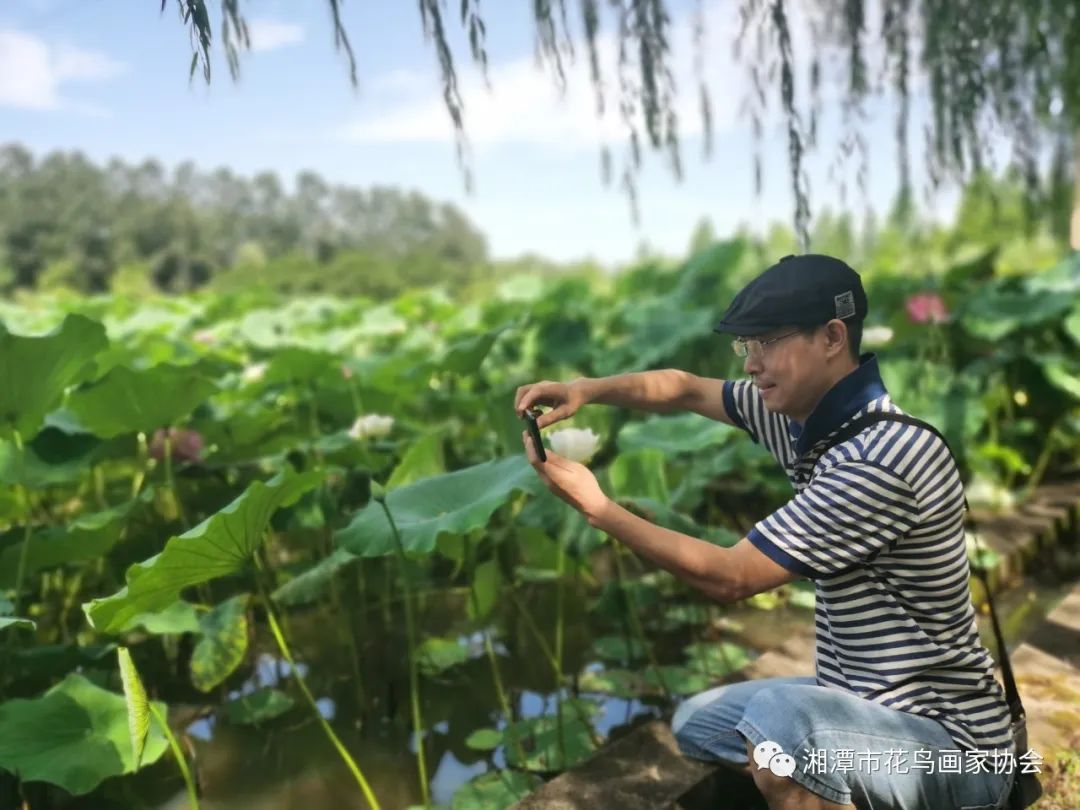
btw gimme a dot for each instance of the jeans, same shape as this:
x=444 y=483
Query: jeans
x=846 y=749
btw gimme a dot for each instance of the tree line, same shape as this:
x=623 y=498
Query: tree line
x=67 y=222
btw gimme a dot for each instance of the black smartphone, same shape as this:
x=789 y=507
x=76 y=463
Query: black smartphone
x=534 y=433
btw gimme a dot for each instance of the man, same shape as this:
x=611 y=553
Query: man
x=903 y=686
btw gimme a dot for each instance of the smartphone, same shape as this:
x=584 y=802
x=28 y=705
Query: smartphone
x=534 y=433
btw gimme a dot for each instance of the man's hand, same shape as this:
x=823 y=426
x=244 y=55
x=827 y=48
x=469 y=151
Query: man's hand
x=563 y=398
x=571 y=481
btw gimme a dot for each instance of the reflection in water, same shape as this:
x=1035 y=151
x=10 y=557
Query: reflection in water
x=288 y=764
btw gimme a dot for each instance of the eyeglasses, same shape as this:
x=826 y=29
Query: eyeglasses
x=755 y=348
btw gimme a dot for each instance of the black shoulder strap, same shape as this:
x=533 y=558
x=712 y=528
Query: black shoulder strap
x=1012 y=695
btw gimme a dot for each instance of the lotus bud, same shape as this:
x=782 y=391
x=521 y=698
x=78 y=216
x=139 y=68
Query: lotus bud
x=187 y=445
x=205 y=337
x=575 y=444
x=371 y=425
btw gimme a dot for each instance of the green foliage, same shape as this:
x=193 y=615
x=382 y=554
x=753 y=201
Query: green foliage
x=223 y=644
x=258 y=707
x=74 y=736
x=66 y=223
x=220 y=545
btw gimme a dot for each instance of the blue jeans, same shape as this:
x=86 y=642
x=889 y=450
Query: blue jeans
x=846 y=749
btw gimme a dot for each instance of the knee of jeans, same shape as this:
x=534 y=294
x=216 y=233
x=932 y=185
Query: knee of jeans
x=777 y=706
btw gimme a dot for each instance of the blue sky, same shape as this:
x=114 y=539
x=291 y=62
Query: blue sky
x=110 y=78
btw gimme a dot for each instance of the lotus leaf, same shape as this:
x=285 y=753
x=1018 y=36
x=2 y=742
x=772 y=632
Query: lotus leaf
x=220 y=545
x=456 y=502
x=35 y=370
x=76 y=735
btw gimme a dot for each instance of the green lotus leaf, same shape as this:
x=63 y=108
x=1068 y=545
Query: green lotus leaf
x=423 y=459
x=312 y=583
x=495 y=791
x=16 y=621
x=1058 y=374
x=129 y=400
x=35 y=371
x=52 y=457
x=620 y=683
x=179 y=617
x=618 y=648
x=436 y=655
x=220 y=545
x=138 y=706
x=484 y=739
x=536 y=744
x=456 y=502
x=88 y=537
x=679 y=680
x=991 y=314
x=465 y=354
x=686 y=433
x=223 y=644
x=485 y=589
x=75 y=736
x=639 y=474
x=716 y=659
x=258 y=707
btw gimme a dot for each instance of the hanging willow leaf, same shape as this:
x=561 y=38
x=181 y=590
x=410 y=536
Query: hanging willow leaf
x=138 y=706
x=220 y=545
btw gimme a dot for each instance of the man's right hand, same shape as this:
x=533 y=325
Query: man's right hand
x=563 y=398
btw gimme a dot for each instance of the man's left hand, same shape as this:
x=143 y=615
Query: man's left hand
x=571 y=481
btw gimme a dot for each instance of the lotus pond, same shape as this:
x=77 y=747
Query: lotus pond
x=289 y=552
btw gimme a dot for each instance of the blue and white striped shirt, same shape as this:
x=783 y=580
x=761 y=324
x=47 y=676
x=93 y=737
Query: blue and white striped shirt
x=878 y=523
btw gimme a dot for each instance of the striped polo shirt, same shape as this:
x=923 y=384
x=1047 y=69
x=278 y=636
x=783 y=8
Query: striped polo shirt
x=877 y=523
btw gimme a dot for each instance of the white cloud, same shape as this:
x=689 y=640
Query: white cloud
x=33 y=71
x=269 y=35
x=523 y=104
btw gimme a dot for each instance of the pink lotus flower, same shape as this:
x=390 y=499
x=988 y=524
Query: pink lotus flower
x=926 y=307
x=187 y=445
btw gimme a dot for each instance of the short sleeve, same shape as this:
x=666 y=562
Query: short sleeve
x=847 y=515
x=747 y=410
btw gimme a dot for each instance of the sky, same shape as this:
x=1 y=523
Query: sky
x=110 y=78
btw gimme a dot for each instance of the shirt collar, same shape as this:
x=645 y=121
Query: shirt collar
x=846 y=398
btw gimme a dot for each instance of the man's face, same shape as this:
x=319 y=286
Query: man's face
x=788 y=372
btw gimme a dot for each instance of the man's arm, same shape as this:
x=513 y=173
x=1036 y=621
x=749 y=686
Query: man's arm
x=661 y=391
x=722 y=574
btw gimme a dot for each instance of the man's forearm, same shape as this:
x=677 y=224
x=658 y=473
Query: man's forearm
x=660 y=391
x=697 y=562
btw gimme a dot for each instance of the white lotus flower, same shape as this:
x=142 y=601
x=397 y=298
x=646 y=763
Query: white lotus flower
x=575 y=444
x=254 y=372
x=875 y=336
x=205 y=337
x=371 y=425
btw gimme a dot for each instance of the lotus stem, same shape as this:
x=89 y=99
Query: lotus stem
x=414 y=680
x=178 y=753
x=286 y=653
x=170 y=481
x=24 y=501
x=140 y=472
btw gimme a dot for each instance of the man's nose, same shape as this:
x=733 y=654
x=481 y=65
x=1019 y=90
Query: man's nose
x=752 y=364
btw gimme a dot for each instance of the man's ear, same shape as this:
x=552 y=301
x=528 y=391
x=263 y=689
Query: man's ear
x=836 y=336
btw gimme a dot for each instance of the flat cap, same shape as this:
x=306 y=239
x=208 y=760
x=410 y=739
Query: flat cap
x=806 y=290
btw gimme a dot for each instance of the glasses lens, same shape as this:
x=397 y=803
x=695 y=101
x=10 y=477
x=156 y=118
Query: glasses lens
x=739 y=347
